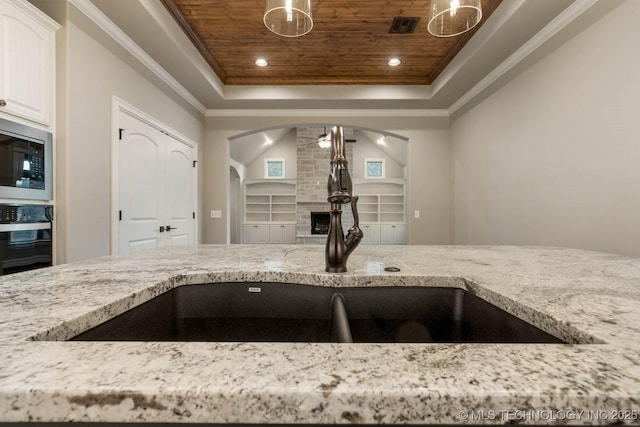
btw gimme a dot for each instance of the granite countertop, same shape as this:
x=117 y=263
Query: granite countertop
x=587 y=298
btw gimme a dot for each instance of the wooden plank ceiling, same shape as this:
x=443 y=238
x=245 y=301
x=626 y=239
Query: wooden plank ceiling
x=350 y=42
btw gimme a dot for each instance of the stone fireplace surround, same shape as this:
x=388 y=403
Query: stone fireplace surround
x=312 y=173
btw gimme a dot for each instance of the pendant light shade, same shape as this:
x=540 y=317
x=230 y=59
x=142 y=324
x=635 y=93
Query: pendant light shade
x=288 y=18
x=450 y=18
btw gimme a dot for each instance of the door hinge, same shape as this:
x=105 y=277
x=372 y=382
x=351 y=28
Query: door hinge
x=119 y=215
x=120 y=131
x=194 y=163
x=194 y=215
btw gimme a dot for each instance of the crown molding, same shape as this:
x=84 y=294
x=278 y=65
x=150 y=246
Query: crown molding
x=550 y=30
x=104 y=23
x=320 y=113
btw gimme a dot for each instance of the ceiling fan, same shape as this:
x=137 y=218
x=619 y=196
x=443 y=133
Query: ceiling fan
x=323 y=140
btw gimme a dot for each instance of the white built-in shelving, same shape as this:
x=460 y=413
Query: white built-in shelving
x=382 y=210
x=269 y=211
x=381 y=201
x=269 y=201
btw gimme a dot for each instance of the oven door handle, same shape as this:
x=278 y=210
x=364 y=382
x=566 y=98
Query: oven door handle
x=25 y=226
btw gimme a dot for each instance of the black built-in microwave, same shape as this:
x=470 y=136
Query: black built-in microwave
x=25 y=162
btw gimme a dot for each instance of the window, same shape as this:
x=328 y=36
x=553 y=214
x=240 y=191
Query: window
x=274 y=168
x=374 y=168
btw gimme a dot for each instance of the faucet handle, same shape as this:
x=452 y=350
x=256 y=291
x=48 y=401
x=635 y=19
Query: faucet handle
x=354 y=210
x=354 y=234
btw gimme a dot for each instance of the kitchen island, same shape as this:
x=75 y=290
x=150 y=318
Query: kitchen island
x=588 y=299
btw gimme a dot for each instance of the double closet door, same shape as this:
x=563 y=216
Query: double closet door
x=156 y=181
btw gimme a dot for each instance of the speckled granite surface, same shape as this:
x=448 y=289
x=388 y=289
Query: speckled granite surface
x=580 y=296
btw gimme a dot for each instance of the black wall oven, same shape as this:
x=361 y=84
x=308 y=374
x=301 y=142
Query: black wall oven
x=25 y=237
x=25 y=162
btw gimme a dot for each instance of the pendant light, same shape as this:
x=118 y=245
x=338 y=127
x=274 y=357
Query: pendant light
x=450 y=18
x=288 y=18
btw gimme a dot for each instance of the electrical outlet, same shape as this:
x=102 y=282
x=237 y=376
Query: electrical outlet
x=216 y=214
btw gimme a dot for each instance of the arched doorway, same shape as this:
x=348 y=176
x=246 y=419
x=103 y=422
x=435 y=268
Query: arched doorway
x=273 y=205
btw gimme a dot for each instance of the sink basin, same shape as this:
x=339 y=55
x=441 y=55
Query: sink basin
x=282 y=312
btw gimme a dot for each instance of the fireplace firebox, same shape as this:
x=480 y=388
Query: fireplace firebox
x=320 y=222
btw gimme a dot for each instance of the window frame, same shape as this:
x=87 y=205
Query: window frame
x=266 y=168
x=374 y=160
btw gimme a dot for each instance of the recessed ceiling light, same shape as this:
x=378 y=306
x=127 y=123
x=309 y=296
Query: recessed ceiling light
x=261 y=62
x=394 y=62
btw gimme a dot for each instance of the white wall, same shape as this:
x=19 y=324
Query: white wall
x=91 y=70
x=552 y=157
x=428 y=181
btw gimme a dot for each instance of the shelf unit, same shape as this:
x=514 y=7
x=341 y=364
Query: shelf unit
x=381 y=201
x=269 y=211
x=381 y=206
x=270 y=202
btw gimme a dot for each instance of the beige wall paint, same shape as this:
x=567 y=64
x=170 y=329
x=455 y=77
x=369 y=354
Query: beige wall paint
x=429 y=159
x=552 y=157
x=367 y=149
x=94 y=69
x=283 y=149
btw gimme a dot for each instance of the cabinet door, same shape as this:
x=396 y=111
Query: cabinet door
x=249 y=233
x=393 y=234
x=282 y=233
x=400 y=236
x=289 y=233
x=262 y=234
x=255 y=233
x=276 y=233
x=387 y=234
x=27 y=52
x=371 y=234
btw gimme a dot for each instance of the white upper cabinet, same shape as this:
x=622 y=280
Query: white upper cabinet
x=27 y=61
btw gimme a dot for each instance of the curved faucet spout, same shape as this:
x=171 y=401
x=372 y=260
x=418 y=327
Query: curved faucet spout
x=340 y=188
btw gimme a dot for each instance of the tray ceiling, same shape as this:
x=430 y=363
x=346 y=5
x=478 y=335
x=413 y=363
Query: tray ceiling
x=350 y=43
x=300 y=80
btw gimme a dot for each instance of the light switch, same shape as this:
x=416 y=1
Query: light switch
x=416 y=214
x=216 y=214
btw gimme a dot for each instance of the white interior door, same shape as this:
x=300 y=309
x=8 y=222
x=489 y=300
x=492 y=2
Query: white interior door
x=155 y=194
x=140 y=185
x=179 y=209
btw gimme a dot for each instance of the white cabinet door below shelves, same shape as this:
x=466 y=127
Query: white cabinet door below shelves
x=282 y=233
x=393 y=234
x=371 y=234
x=253 y=233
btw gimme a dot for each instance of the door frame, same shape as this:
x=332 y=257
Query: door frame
x=117 y=106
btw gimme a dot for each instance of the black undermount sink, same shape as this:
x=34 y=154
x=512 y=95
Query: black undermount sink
x=281 y=312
